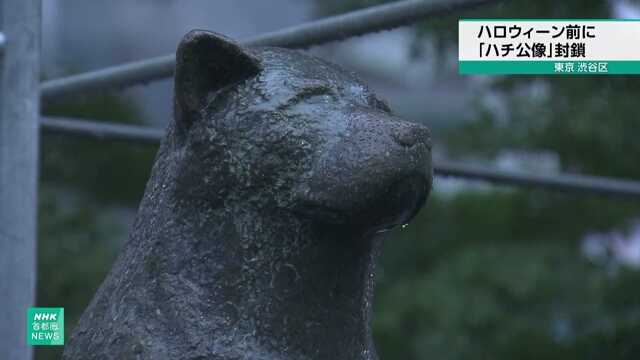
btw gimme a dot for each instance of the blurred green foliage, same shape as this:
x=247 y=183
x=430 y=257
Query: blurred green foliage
x=108 y=171
x=481 y=275
x=78 y=240
x=499 y=276
x=75 y=252
x=444 y=31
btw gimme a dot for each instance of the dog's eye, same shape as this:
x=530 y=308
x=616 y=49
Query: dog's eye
x=316 y=95
x=319 y=99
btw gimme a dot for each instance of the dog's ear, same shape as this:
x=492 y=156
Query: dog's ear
x=207 y=62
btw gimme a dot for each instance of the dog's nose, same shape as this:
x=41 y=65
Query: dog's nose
x=408 y=134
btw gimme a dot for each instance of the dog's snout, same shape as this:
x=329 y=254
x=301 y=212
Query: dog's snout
x=409 y=134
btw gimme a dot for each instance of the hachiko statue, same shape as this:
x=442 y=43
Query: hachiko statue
x=259 y=229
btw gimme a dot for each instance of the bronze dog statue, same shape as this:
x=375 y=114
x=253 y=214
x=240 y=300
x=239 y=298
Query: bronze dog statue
x=259 y=230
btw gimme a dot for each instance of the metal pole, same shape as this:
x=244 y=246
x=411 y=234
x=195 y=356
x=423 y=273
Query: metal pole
x=625 y=188
x=355 y=23
x=144 y=135
x=3 y=40
x=102 y=131
x=19 y=142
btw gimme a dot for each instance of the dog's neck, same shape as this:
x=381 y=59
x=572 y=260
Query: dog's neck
x=260 y=280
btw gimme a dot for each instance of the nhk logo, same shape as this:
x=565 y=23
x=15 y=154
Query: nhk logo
x=41 y=316
x=45 y=326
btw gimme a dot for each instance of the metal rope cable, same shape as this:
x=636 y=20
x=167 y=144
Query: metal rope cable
x=144 y=135
x=339 y=27
x=372 y=19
